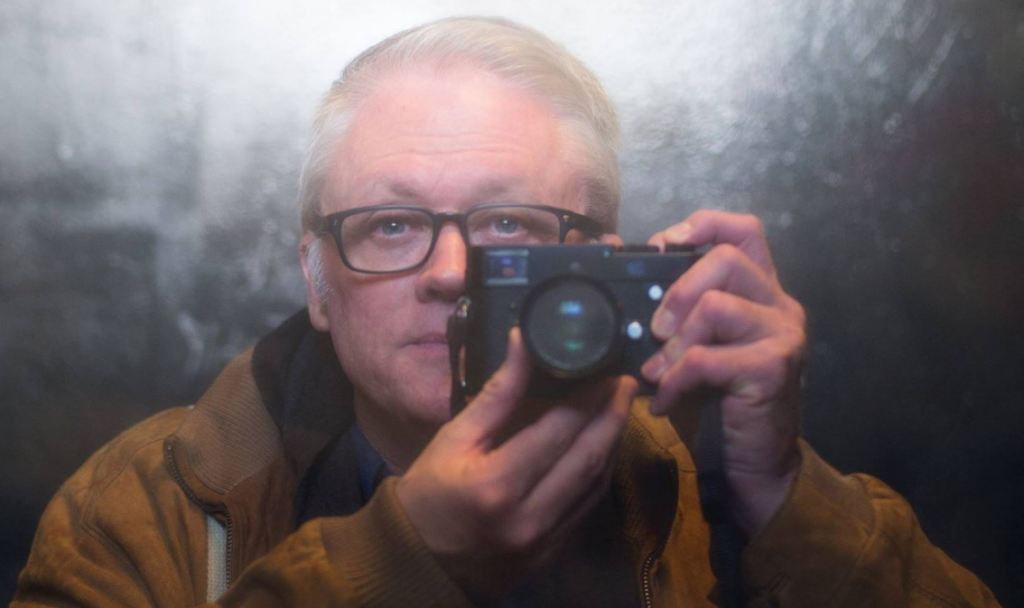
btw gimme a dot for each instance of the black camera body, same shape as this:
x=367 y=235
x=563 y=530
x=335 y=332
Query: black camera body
x=584 y=310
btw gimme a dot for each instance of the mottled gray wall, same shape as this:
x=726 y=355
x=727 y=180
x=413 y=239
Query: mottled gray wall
x=149 y=150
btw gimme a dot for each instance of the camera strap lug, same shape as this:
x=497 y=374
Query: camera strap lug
x=456 y=334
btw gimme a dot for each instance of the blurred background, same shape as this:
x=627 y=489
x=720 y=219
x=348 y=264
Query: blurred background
x=149 y=153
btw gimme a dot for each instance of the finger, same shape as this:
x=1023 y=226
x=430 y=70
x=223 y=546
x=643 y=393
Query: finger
x=547 y=534
x=562 y=528
x=712 y=227
x=724 y=268
x=527 y=456
x=497 y=400
x=585 y=460
x=717 y=318
x=752 y=372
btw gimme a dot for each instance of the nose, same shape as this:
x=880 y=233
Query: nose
x=444 y=275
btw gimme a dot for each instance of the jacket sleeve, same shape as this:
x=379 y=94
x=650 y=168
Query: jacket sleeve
x=851 y=541
x=103 y=542
x=372 y=558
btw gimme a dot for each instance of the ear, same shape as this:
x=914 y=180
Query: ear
x=317 y=307
x=611 y=239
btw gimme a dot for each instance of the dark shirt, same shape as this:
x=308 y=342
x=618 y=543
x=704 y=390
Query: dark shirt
x=343 y=479
x=372 y=467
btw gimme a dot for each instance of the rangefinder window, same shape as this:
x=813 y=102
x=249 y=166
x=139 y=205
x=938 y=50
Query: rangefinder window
x=506 y=267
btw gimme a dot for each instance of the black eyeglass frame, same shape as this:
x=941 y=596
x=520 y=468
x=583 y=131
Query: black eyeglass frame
x=567 y=220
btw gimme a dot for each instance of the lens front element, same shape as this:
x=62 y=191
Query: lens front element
x=571 y=326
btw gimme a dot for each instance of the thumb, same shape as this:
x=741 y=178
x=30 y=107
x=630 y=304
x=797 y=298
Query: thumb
x=497 y=400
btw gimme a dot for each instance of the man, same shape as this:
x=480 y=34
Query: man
x=323 y=467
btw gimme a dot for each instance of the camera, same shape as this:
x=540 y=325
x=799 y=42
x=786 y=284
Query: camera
x=583 y=310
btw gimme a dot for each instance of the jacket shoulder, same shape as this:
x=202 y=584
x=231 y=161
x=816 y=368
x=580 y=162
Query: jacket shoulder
x=127 y=450
x=118 y=526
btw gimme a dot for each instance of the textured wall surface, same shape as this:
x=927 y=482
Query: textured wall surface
x=148 y=156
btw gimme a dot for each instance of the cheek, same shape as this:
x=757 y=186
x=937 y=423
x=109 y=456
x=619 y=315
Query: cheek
x=369 y=319
x=360 y=325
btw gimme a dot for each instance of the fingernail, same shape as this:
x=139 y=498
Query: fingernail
x=673 y=349
x=679 y=232
x=654 y=368
x=663 y=323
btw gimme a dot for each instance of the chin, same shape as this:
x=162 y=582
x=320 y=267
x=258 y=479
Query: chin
x=427 y=402
x=436 y=411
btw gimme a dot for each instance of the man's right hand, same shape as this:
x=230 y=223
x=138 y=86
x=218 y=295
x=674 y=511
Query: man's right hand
x=493 y=514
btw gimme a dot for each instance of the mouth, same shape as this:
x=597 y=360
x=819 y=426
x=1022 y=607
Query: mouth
x=433 y=343
x=430 y=338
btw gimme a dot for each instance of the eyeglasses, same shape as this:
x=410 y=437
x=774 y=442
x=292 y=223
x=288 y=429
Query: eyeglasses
x=400 y=238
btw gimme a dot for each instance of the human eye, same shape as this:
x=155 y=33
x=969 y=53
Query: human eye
x=387 y=226
x=391 y=226
x=506 y=224
x=514 y=225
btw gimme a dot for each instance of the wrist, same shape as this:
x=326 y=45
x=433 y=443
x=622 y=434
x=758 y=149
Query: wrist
x=756 y=497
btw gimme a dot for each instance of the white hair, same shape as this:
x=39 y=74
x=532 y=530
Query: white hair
x=520 y=56
x=315 y=263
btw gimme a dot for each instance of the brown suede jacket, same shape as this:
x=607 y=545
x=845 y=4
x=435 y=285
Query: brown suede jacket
x=135 y=526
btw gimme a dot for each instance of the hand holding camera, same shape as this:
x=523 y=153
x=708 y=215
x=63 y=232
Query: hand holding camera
x=727 y=323
x=678 y=322
x=479 y=498
x=494 y=508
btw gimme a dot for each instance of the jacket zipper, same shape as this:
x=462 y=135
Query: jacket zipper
x=646 y=585
x=645 y=577
x=207 y=508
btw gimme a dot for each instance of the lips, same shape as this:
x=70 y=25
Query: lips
x=429 y=338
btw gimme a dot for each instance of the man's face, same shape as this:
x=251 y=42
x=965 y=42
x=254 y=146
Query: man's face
x=448 y=143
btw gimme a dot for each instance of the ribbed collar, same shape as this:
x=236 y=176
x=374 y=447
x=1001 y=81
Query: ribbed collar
x=303 y=388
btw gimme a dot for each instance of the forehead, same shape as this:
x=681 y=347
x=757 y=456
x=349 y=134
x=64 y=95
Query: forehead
x=451 y=139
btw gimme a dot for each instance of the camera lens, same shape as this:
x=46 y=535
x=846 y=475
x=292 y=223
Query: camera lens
x=571 y=326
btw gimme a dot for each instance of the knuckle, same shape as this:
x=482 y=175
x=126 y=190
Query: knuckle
x=799 y=313
x=799 y=343
x=675 y=298
x=775 y=371
x=492 y=498
x=752 y=224
x=714 y=305
x=779 y=364
x=523 y=537
x=730 y=254
x=700 y=216
x=694 y=357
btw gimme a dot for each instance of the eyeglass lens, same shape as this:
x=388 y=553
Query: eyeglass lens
x=392 y=239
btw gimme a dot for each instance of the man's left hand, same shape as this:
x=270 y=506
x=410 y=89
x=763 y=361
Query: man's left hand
x=727 y=324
